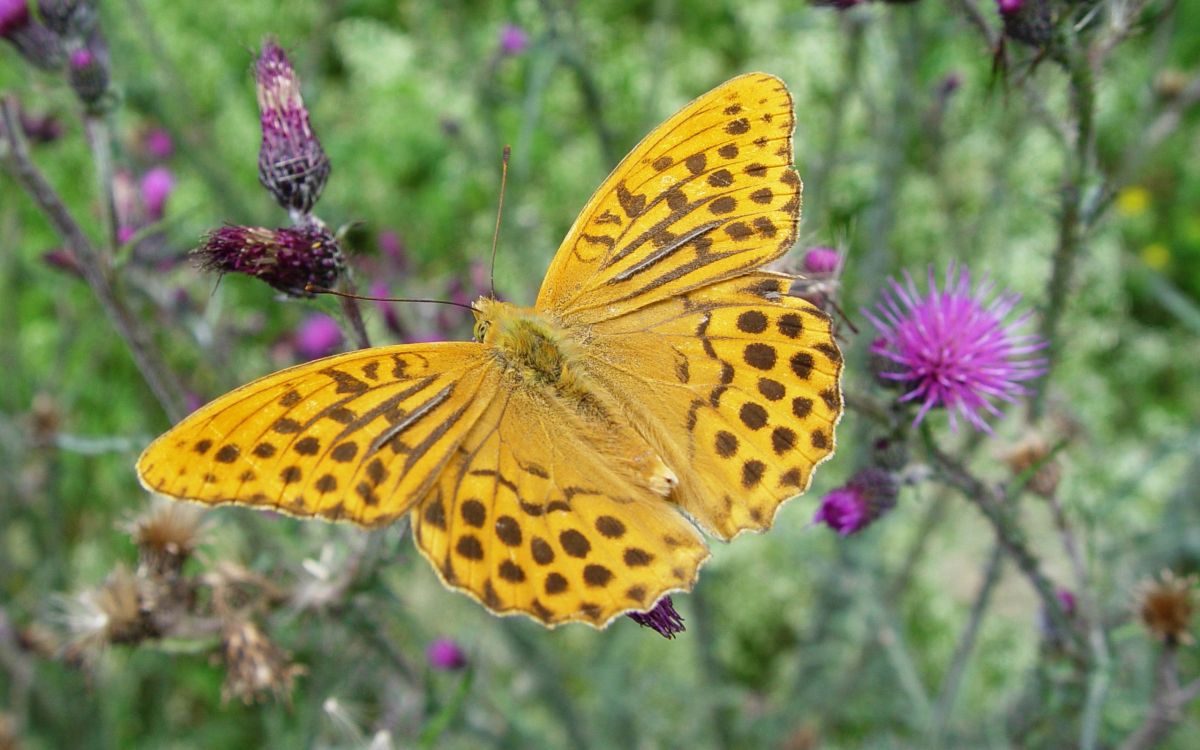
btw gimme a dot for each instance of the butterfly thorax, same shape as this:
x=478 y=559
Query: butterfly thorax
x=530 y=347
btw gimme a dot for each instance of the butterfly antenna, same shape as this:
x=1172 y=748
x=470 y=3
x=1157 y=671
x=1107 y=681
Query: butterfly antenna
x=499 y=213
x=314 y=289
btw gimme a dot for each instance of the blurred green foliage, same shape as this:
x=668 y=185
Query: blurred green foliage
x=796 y=638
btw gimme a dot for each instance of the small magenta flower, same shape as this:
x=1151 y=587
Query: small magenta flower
x=851 y=508
x=661 y=617
x=513 y=39
x=156 y=186
x=446 y=655
x=14 y=16
x=821 y=261
x=158 y=144
x=288 y=259
x=317 y=336
x=953 y=348
x=291 y=163
x=1009 y=6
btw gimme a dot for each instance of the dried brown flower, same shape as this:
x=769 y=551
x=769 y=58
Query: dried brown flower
x=255 y=667
x=112 y=613
x=1032 y=451
x=1165 y=606
x=166 y=535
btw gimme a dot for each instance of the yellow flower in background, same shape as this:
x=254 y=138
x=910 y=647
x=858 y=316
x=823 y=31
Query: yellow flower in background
x=1156 y=255
x=1133 y=201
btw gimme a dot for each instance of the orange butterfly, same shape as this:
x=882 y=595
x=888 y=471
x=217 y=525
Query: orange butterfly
x=559 y=465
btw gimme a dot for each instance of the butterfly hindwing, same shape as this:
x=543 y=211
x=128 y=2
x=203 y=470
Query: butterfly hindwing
x=556 y=513
x=357 y=436
x=736 y=381
x=707 y=195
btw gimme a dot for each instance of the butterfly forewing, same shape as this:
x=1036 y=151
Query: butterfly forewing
x=556 y=514
x=709 y=194
x=359 y=436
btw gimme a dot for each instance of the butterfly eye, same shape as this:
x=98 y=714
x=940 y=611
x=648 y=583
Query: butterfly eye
x=481 y=327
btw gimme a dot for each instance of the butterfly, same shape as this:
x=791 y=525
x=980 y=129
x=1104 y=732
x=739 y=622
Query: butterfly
x=562 y=464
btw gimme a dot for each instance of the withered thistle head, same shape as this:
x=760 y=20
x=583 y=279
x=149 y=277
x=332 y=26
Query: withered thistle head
x=291 y=163
x=288 y=258
x=1031 y=452
x=255 y=668
x=166 y=535
x=1165 y=606
x=109 y=614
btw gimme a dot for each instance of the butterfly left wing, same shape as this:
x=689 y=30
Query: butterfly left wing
x=707 y=195
x=557 y=512
x=357 y=437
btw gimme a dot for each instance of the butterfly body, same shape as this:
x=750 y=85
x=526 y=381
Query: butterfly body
x=562 y=464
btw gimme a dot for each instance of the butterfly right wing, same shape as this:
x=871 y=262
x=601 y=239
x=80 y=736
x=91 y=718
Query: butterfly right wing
x=359 y=436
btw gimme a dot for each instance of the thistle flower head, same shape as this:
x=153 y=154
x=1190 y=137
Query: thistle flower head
x=166 y=535
x=14 y=15
x=445 y=654
x=1032 y=454
x=513 y=39
x=156 y=185
x=87 y=72
x=291 y=163
x=36 y=43
x=288 y=259
x=317 y=336
x=954 y=348
x=852 y=507
x=821 y=260
x=255 y=668
x=111 y=613
x=662 y=617
x=1166 y=605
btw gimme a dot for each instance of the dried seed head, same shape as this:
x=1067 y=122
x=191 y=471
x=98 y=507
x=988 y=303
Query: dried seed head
x=112 y=613
x=1032 y=451
x=1165 y=606
x=255 y=667
x=166 y=535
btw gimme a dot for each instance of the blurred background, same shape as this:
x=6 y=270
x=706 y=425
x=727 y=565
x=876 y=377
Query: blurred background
x=1049 y=145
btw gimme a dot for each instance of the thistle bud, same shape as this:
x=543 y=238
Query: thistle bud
x=851 y=508
x=288 y=259
x=87 y=73
x=36 y=43
x=291 y=163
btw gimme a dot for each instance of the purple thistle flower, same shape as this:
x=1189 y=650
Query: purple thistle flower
x=288 y=259
x=1009 y=6
x=446 y=655
x=661 y=617
x=291 y=163
x=953 y=348
x=513 y=39
x=158 y=144
x=821 y=260
x=317 y=336
x=14 y=15
x=392 y=245
x=851 y=508
x=156 y=186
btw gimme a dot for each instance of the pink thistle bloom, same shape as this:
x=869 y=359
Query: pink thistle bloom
x=317 y=336
x=158 y=144
x=446 y=655
x=156 y=186
x=662 y=617
x=821 y=260
x=291 y=163
x=513 y=39
x=954 y=348
x=851 y=508
x=14 y=15
x=1009 y=6
x=288 y=259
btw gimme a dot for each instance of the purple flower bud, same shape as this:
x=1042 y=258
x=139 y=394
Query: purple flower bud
x=821 y=261
x=36 y=43
x=41 y=129
x=288 y=259
x=291 y=163
x=64 y=260
x=513 y=39
x=1009 y=6
x=954 y=348
x=125 y=233
x=317 y=336
x=1067 y=599
x=158 y=144
x=156 y=187
x=446 y=655
x=851 y=508
x=662 y=617
x=87 y=73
